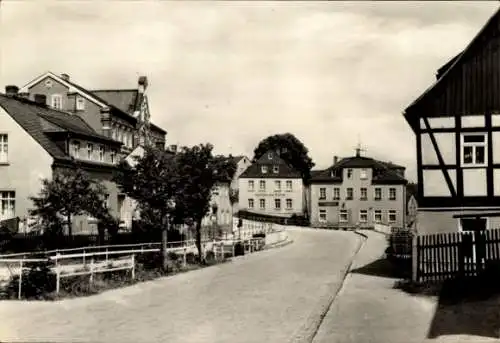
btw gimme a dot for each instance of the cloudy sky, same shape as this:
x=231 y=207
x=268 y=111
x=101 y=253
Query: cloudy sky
x=231 y=73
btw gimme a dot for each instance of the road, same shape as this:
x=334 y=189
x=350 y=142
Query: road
x=269 y=296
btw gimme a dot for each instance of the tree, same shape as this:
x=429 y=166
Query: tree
x=70 y=193
x=198 y=172
x=153 y=183
x=291 y=149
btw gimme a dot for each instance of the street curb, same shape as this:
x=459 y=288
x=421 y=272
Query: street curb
x=308 y=331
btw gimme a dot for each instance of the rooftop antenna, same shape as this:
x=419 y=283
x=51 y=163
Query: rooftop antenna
x=358 y=148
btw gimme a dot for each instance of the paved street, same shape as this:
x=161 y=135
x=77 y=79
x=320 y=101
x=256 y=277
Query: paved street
x=270 y=296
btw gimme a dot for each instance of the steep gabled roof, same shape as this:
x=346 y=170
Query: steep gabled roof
x=387 y=173
x=270 y=159
x=40 y=121
x=455 y=62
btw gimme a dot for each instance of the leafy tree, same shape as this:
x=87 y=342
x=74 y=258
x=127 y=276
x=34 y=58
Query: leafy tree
x=71 y=192
x=291 y=149
x=198 y=172
x=153 y=183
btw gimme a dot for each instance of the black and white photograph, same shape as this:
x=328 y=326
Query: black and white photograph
x=249 y=171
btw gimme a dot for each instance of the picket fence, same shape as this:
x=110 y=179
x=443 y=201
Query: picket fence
x=442 y=256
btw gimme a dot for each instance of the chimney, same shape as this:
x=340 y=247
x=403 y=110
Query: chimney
x=65 y=77
x=106 y=122
x=142 y=84
x=41 y=99
x=24 y=95
x=11 y=90
x=335 y=159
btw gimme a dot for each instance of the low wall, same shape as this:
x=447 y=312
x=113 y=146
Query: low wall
x=276 y=237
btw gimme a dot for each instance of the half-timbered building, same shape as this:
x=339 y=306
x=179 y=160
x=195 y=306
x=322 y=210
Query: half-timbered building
x=457 y=126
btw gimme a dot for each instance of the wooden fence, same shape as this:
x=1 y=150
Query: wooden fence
x=443 y=256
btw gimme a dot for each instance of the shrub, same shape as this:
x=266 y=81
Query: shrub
x=36 y=281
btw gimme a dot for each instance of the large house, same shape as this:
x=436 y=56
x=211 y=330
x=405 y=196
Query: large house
x=271 y=186
x=358 y=191
x=456 y=122
x=35 y=141
x=121 y=114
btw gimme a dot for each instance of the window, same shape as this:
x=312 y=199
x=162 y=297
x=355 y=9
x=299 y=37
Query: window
x=263 y=169
x=392 y=193
x=289 y=185
x=364 y=174
x=336 y=193
x=322 y=216
x=101 y=153
x=250 y=185
x=7 y=204
x=364 y=194
x=378 y=193
x=392 y=216
x=474 y=149
x=363 y=216
x=250 y=203
x=75 y=149
x=277 y=204
x=349 y=195
x=56 y=101
x=113 y=133
x=343 y=216
x=4 y=148
x=270 y=156
x=276 y=169
x=262 y=185
x=377 y=216
x=262 y=204
x=349 y=173
x=322 y=193
x=113 y=156
x=289 y=204
x=80 y=103
x=277 y=185
x=90 y=151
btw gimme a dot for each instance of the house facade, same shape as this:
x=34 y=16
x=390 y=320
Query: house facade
x=456 y=122
x=358 y=192
x=411 y=206
x=271 y=186
x=121 y=114
x=242 y=163
x=37 y=141
x=221 y=213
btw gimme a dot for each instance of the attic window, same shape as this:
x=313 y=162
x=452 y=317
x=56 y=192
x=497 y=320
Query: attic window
x=276 y=169
x=80 y=103
x=56 y=101
x=364 y=174
x=349 y=173
x=270 y=156
x=75 y=149
x=263 y=169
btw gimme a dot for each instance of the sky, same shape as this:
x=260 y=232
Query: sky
x=334 y=74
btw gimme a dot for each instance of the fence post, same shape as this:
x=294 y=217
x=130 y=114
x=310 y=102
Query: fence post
x=106 y=255
x=20 y=279
x=84 y=257
x=58 y=274
x=414 y=258
x=234 y=249
x=184 y=259
x=91 y=269
x=133 y=266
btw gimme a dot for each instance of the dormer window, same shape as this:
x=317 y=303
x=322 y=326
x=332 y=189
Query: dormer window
x=80 y=103
x=101 y=153
x=349 y=173
x=276 y=169
x=75 y=149
x=263 y=169
x=364 y=174
x=270 y=156
x=56 y=101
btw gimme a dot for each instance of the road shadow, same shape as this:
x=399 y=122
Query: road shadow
x=382 y=268
x=468 y=306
